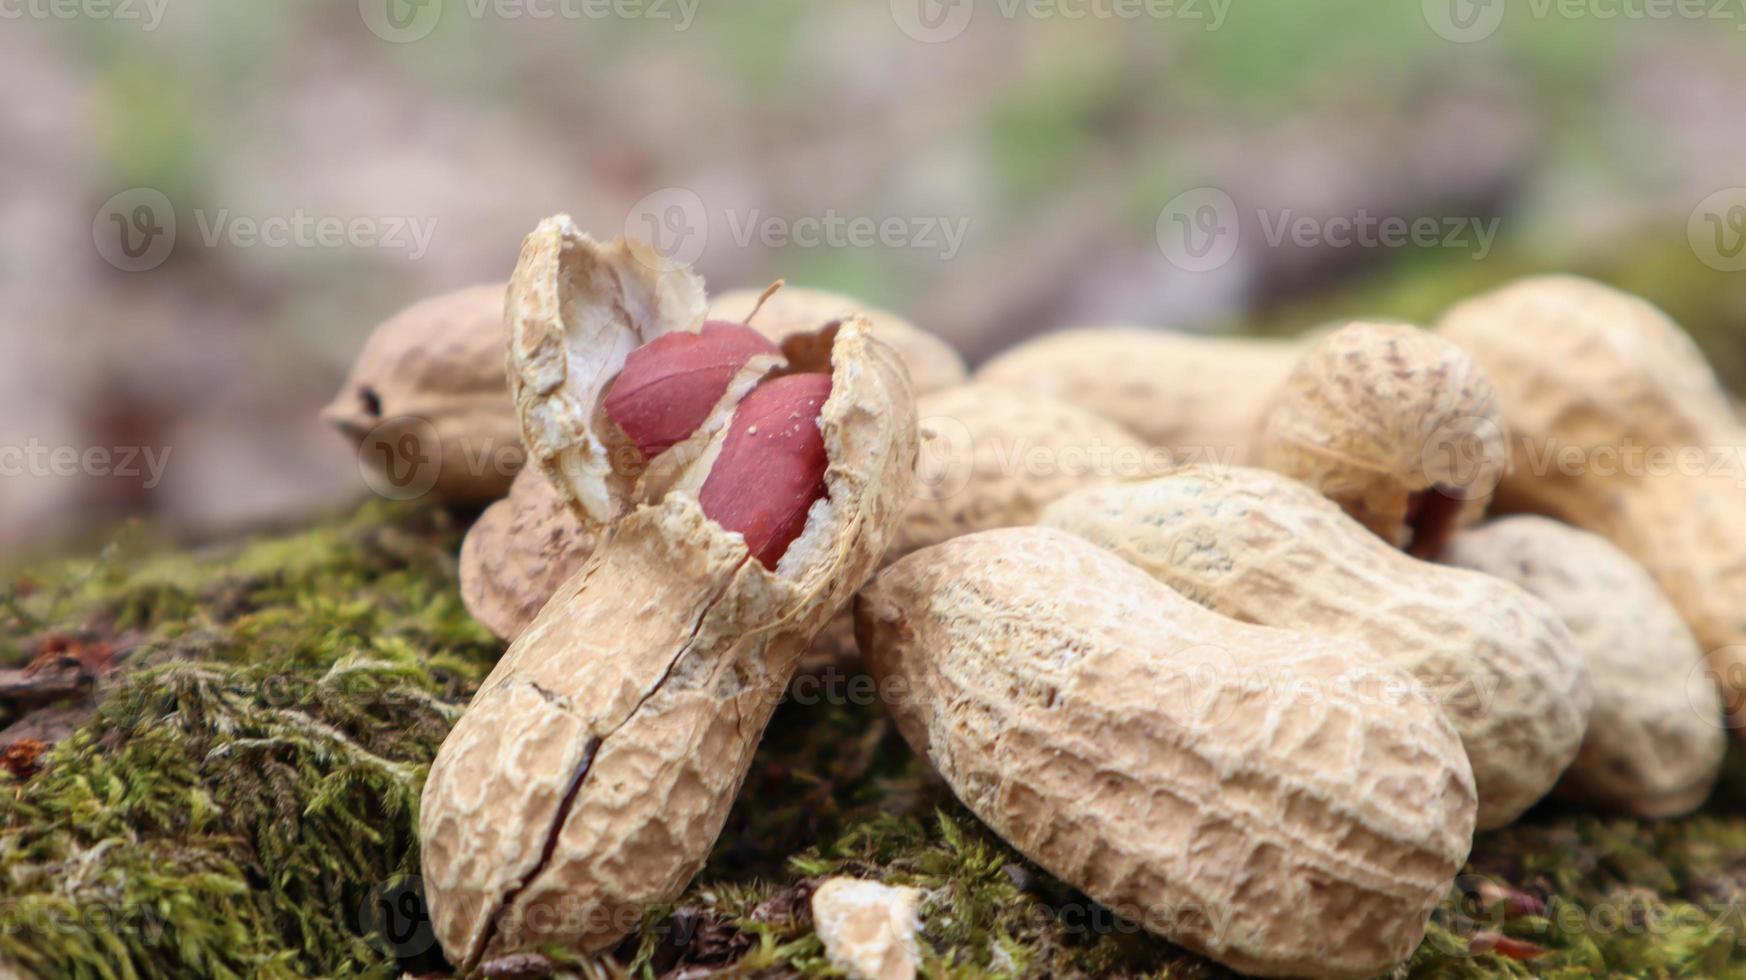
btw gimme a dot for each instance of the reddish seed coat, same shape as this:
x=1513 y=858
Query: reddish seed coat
x=772 y=466
x=669 y=384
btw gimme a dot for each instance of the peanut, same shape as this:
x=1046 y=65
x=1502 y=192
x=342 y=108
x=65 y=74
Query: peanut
x=1261 y=548
x=595 y=766
x=1654 y=743
x=671 y=385
x=1621 y=428
x=439 y=361
x=772 y=465
x=1235 y=788
x=932 y=363
x=519 y=551
x=1396 y=425
x=1190 y=394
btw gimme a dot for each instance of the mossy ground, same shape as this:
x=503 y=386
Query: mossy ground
x=244 y=804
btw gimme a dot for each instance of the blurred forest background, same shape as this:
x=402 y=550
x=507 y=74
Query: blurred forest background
x=993 y=169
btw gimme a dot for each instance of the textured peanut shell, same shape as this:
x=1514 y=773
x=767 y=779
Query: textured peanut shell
x=1295 y=827
x=517 y=554
x=993 y=457
x=1579 y=364
x=440 y=360
x=1378 y=415
x=1191 y=394
x=932 y=362
x=593 y=770
x=1654 y=744
x=1261 y=548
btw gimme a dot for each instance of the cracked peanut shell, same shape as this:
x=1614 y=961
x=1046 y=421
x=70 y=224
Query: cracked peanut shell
x=932 y=362
x=594 y=768
x=1259 y=547
x=1286 y=804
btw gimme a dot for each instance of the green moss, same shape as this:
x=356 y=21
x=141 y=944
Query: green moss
x=247 y=796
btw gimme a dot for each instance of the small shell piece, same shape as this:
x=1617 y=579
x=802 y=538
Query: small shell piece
x=592 y=772
x=1621 y=428
x=1200 y=397
x=519 y=552
x=1285 y=804
x=1654 y=744
x=932 y=363
x=1396 y=425
x=868 y=929
x=434 y=372
x=1261 y=548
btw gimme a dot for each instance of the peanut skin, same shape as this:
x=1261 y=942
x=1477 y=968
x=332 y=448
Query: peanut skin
x=1264 y=549
x=1396 y=425
x=592 y=772
x=1654 y=743
x=1201 y=397
x=1285 y=804
x=1593 y=381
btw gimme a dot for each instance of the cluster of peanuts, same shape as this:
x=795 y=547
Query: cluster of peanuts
x=1246 y=638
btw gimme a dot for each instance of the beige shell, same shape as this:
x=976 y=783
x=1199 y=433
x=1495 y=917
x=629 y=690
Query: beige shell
x=1288 y=805
x=1620 y=428
x=868 y=929
x=1261 y=548
x=1396 y=425
x=1201 y=397
x=519 y=552
x=594 y=768
x=435 y=371
x=1654 y=744
x=932 y=362
x=992 y=457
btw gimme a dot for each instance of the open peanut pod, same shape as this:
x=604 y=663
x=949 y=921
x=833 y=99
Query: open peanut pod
x=741 y=494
